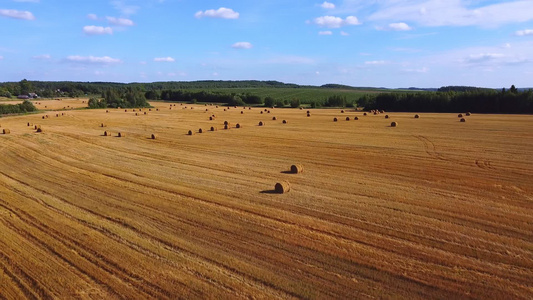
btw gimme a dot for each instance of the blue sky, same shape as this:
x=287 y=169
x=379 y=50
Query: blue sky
x=380 y=43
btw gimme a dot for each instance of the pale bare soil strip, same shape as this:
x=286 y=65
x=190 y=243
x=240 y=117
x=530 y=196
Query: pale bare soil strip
x=434 y=208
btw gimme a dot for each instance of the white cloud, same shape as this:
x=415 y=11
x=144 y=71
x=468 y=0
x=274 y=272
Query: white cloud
x=1 y=57
x=327 y=5
x=42 y=57
x=343 y=33
x=17 y=14
x=375 y=62
x=325 y=32
x=483 y=57
x=222 y=13
x=242 y=45
x=92 y=17
x=97 y=30
x=164 y=59
x=93 y=59
x=452 y=12
x=524 y=32
x=421 y=70
x=399 y=27
x=335 y=22
x=120 y=21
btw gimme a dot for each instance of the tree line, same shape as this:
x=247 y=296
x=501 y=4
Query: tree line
x=20 y=108
x=511 y=101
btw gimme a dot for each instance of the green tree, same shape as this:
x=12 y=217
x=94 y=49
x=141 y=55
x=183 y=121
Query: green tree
x=269 y=101
x=25 y=87
x=295 y=103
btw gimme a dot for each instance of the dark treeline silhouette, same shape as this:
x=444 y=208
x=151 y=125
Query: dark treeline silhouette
x=509 y=101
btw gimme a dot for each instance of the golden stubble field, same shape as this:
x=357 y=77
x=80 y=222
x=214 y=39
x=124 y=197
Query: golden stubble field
x=433 y=208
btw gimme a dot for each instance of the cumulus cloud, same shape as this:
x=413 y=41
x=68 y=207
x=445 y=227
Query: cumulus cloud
x=222 y=13
x=17 y=14
x=97 y=30
x=164 y=59
x=524 y=32
x=335 y=22
x=327 y=32
x=399 y=27
x=120 y=21
x=242 y=45
x=327 y=5
x=93 y=59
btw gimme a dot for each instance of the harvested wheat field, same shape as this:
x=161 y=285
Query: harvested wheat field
x=433 y=208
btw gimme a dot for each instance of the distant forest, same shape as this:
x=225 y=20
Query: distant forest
x=445 y=99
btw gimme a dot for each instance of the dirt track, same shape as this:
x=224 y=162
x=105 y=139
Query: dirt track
x=434 y=208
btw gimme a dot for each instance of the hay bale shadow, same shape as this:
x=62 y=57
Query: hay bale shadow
x=270 y=192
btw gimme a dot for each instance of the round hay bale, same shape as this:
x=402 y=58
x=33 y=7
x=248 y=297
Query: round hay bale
x=308 y=114
x=136 y=114
x=125 y=110
x=242 y=112
x=57 y=115
x=347 y=118
x=226 y=127
x=394 y=124
x=282 y=187
x=102 y=125
x=224 y=109
x=43 y=117
x=266 y=109
x=157 y=109
x=386 y=116
x=190 y=132
x=297 y=169
x=261 y=123
x=274 y=118
x=460 y=115
x=342 y=111
x=39 y=130
x=153 y=136
x=226 y=123
x=356 y=118
x=463 y=120
x=268 y=112
x=217 y=106
x=468 y=114
x=62 y=114
x=149 y=109
x=37 y=127
x=249 y=108
x=200 y=130
x=381 y=111
x=134 y=110
x=107 y=133
x=261 y=112
x=238 y=125
x=213 y=128
x=29 y=124
x=6 y=131
x=375 y=113
x=121 y=134
x=210 y=118
x=284 y=122
x=335 y=119
x=301 y=108
x=417 y=116
x=145 y=113
x=364 y=114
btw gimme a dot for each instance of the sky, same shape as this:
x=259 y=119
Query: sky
x=372 y=43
